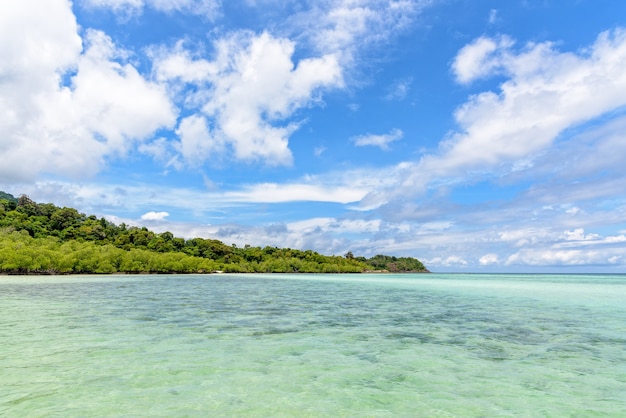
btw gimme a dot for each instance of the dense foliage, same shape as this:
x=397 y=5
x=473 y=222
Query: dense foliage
x=44 y=238
x=395 y=264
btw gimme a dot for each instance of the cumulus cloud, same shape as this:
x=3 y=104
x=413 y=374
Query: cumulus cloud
x=487 y=259
x=381 y=141
x=546 y=92
x=73 y=99
x=249 y=90
x=68 y=127
x=154 y=216
x=157 y=149
x=196 y=142
x=115 y=101
x=481 y=58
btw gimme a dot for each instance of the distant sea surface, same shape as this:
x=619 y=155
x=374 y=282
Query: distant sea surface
x=436 y=345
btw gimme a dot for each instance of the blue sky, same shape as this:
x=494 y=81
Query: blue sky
x=474 y=135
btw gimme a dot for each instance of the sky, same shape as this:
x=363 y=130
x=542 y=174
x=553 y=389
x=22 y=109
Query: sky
x=474 y=135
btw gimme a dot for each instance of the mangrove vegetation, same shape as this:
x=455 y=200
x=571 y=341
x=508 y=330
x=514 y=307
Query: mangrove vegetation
x=41 y=238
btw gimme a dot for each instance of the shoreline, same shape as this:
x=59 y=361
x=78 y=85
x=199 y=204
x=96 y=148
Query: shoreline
x=131 y=273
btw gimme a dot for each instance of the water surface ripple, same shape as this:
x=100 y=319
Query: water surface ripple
x=313 y=345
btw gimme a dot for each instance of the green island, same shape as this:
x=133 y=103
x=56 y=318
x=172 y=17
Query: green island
x=41 y=238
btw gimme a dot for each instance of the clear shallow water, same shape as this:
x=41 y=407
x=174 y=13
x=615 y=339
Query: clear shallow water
x=313 y=345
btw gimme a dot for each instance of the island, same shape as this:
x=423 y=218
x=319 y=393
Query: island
x=41 y=238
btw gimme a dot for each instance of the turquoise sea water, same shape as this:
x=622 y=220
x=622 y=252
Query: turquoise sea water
x=313 y=345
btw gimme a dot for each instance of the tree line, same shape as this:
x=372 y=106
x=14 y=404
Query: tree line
x=41 y=238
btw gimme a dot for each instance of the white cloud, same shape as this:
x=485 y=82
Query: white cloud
x=206 y=8
x=181 y=64
x=37 y=44
x=50 y=126
x=334 y=187
x=597 y=149
x=450 y=261
x=343 y=27
x=541 y=240
x=209 y=8
x=196 y=142
x=573 y=257
x=318 y=151
x=487 y=259
x=381 y=141
x=157 y=149
x=573 y=211
x=578 y=238
x=480 y=58
x=399 y=89
x=275 y=193
x=549 y=247
x=115 y=101
x=154 y=216
x=247 y=94
x=547 y=92
x=525 y=236
x=249 y=90
x=47 y=41
x=579 y=235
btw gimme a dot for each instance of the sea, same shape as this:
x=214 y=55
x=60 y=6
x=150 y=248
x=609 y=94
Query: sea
x=319 y=345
